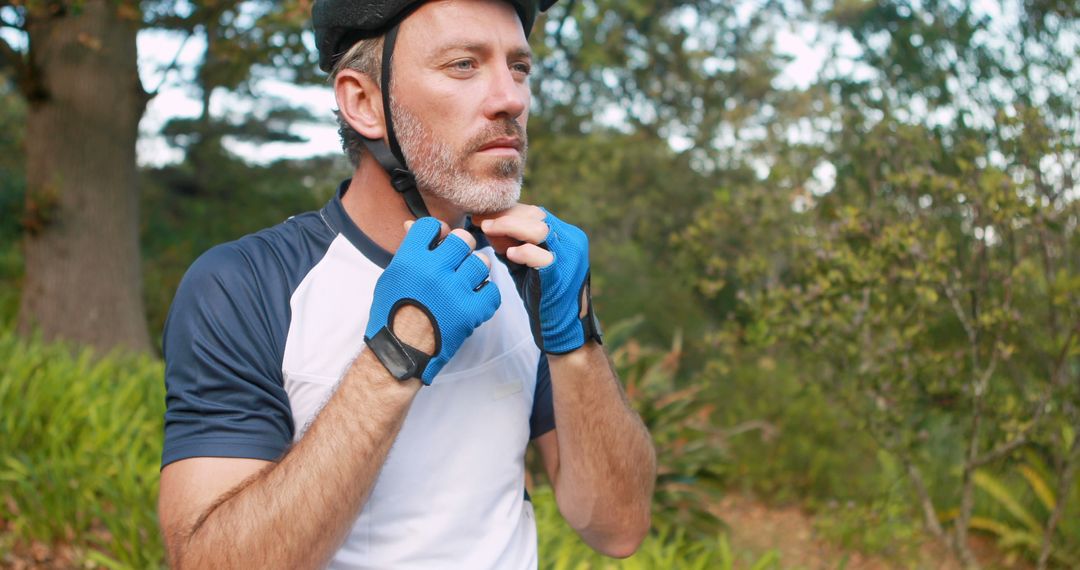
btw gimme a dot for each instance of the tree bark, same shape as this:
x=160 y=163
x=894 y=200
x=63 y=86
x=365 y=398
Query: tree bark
x=83 y=280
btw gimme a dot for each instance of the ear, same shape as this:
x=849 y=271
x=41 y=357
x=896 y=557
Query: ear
x=359 y=101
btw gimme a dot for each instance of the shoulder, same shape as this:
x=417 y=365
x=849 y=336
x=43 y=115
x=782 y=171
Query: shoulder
x=224 y=341
x=283 y=252
x=242 y=287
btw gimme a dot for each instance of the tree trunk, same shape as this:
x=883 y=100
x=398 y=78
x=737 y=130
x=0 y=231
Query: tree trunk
x=83 y=281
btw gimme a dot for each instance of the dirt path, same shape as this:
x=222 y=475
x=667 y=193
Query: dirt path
x=790 y=530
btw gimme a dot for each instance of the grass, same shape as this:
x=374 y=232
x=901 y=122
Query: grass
x=79 y=467
x=665 y=547
x=80 y=453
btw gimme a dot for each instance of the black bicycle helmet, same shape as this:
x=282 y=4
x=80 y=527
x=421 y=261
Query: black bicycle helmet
x=341 y=23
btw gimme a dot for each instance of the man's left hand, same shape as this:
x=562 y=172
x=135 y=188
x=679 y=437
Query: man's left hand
x=550 y=262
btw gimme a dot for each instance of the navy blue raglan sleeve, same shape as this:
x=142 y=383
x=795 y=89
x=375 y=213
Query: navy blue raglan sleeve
x=224 y=390
x=542 y=419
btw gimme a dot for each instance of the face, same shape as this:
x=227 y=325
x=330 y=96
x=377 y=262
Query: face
x=460 y=100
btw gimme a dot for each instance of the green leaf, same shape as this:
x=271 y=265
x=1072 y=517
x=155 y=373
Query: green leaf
x=1004 y=497
x=1042 y=490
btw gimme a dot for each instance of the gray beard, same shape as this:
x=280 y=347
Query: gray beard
x=441 y=171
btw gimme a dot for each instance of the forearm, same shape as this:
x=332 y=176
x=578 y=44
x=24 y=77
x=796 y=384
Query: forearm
x=295 y=513
x=606 y=461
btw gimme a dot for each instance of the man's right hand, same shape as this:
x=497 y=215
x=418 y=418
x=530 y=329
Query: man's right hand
x=446 y=281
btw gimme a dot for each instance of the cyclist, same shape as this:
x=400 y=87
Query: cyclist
x=357 y=386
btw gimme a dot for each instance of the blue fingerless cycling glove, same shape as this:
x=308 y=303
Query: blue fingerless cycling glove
x=442 y=279
x=554 y=294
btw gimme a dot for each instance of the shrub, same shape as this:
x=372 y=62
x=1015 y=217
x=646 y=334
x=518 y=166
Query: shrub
x=1016 y=505
x=668 y=547
x=82 y=444
x=690 y=446
x=81 y=449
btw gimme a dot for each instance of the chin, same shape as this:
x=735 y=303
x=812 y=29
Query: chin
x=487 y=211
x=492 y=198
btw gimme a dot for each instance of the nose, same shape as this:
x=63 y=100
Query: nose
x=507 y=97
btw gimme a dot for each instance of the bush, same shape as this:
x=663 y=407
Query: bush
x=668 y=546
x=82 y=444
x=81 y=449
x=690 y=447
x=1015 y=505
x=807 y=446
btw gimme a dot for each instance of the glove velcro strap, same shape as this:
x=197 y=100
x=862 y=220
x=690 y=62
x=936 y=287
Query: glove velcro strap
x=400 y=360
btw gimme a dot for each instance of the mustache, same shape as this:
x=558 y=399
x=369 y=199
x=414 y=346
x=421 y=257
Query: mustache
x=504 y=128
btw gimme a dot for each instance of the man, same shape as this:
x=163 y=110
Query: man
x=333 y=403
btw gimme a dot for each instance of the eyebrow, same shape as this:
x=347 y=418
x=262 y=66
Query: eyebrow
x=479 y=48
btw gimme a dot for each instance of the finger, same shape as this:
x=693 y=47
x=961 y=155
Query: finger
x=483 y=258
x=531 y=255
x=501 y=244
x=522 y=210
x=490 y=298
x=452 y=251
x=474 y=270
x=523 y=229
x=465 y=237
x=444 y=228
x=422 y=233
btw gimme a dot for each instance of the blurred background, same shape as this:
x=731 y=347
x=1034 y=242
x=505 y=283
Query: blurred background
x=835 y=251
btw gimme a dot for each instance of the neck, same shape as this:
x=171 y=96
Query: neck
x=380 y=212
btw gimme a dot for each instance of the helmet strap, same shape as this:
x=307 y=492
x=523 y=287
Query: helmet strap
x=391 y=158
x=401 y=178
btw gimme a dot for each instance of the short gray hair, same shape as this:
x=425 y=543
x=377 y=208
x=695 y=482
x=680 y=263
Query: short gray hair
x=365 y=56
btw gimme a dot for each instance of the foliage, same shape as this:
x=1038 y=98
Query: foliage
x=798 y=446
x=634 y=273
x=79 y=462
x=668 y=546
x=874 y=277
x=884 y=526
x=634 y=106
x=665 y=69
x=690 y=448
x=81 y=449
x=932 y=289
x=12 y=181
x=246 y=39
x=214 y=196
x=1018 y=501
x=182 y=218
x=12 y=194
x=246 y=42
x=881 y=522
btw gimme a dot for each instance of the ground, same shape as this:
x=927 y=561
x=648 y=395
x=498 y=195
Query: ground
x=758 y=527
x=754 y=526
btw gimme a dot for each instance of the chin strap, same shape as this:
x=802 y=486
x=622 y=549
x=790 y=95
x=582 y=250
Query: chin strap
x=400 y=177
x=392 y=159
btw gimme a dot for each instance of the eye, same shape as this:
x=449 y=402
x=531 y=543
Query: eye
x=463 y=65
x=522 y=68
